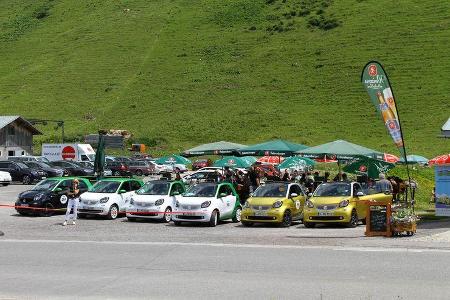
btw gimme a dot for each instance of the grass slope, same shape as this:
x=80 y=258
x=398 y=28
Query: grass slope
x=177 y=73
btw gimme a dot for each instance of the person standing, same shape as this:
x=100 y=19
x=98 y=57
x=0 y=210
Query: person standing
x=383 y=185
x=254 y=179
x=72 y=203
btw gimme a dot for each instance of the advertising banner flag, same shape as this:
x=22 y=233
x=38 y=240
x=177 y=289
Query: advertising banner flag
x=442 y=193
x=377 y=84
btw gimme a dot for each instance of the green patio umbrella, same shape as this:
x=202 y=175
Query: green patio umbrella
x=272 y=148
x=232 y=161
x=99 y=161
x=217 y=148
x=173 y=159
x=370 y=166
x=414 y=159
x=296 y=162
x=250 y=159
x=338 y=150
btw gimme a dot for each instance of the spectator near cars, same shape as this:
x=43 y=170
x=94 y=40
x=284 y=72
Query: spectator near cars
x=72 y=168
x=21 y=172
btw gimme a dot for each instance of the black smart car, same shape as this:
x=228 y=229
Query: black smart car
x=21 y=172
x=49 y=194
x=51 y=171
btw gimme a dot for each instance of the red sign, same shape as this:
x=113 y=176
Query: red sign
x=68 y=152
x=373 y=70
x=362 y=168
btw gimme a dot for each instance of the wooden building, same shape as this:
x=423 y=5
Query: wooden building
x=16 y=136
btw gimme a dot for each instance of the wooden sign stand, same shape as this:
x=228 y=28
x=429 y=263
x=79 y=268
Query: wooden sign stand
x=378 y=222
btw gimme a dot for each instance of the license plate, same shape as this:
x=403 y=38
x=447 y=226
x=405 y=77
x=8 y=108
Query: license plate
x=24 y=205
x=141 y=210
x=325 y=213
x=260 y=213
x=189 y=214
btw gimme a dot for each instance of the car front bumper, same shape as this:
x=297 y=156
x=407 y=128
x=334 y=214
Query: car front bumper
x=202 y=215
x=339 y=215
x=145 y=213
x=99 y=209
x=273 y=215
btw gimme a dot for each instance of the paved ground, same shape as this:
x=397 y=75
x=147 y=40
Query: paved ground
x=117 y=259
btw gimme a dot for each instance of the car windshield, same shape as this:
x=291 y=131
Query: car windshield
x=22 y=165
x=333 y=190
x=42 y=159
x=271 y=190
x=45 y=185
x=202 y=190
x=105 y=187
x=154 y=188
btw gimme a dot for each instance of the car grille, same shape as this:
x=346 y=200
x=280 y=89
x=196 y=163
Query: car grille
x=262 y=218
x=260 y=207
x=90 y=201
x=190 y=207
x=190 y=217
x=143 y=204
x=25 y=200
x=326 y=218
x=90 y=210
x=327 y=207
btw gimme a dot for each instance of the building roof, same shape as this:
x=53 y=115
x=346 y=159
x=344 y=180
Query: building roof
x=6 y=120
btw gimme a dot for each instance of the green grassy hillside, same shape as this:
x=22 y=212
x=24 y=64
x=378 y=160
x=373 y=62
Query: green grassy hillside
x=177 y=73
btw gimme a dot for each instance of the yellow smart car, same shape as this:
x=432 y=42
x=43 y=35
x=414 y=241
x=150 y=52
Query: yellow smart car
x=274 y=202
x=339 y=202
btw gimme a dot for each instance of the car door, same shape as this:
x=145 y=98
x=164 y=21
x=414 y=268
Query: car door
x=221 y=200
x=175 y=192
x=298 y=201
x=361 y=201
x=229 y=201
x=124 y=198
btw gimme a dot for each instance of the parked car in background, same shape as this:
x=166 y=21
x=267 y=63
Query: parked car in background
x=72 y=168
x=205 y=175
x=175 y=168
x=274 y=202
x=123 y=159
x=339 y=202
x=201 y=163
x=48 y=195
x=5 y=178
x=155 y=200
x=21 y=172
x=118 y=168
x=140 y=167
x=90 y=165
x=25 y=158
x=208 y=202
x=51 y=171
x=108 y=197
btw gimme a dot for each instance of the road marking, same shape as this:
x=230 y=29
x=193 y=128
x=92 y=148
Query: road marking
x=223 y=245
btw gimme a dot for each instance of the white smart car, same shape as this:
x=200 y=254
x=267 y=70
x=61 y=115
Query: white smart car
x=208 y=202
x=108 y=197
x=155 y=200
x=5 y=178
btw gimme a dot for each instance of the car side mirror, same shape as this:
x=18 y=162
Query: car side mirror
x=359 y=194
x=251 y=194
x=175 y=193
x=309 y=195
x=221 y=195
x=122 y=191
x=293 y=195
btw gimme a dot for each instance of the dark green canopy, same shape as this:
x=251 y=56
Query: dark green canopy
x=217 y=148
x=338 y=150
x=370 y=166
x=233 y=161
x=272 y=148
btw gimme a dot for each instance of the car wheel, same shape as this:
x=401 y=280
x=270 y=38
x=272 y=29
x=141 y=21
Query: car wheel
x=353 y=220
x=237 y=215
x=48 y=210
x=138 y=173
x=177 y=223
x=309 y=224
x=287 y=219
x=214 y=218
x=116 y=173
x=167 y=215
x=247 y=224
x=26 y=179
x=131 y=219
x=113 y=212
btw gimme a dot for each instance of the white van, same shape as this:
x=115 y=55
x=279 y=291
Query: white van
x=76 y=152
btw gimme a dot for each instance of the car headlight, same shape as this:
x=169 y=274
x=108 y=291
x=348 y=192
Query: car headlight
x=38 y=197
x=205 y=204
x=277 y=204
x=34 y=172
x=104 y=199
x=344 y=203
x=309 y=204
x=247 y=204
x=159 y=202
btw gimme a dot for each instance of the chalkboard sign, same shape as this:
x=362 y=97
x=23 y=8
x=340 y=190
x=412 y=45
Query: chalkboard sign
x=378 y=219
